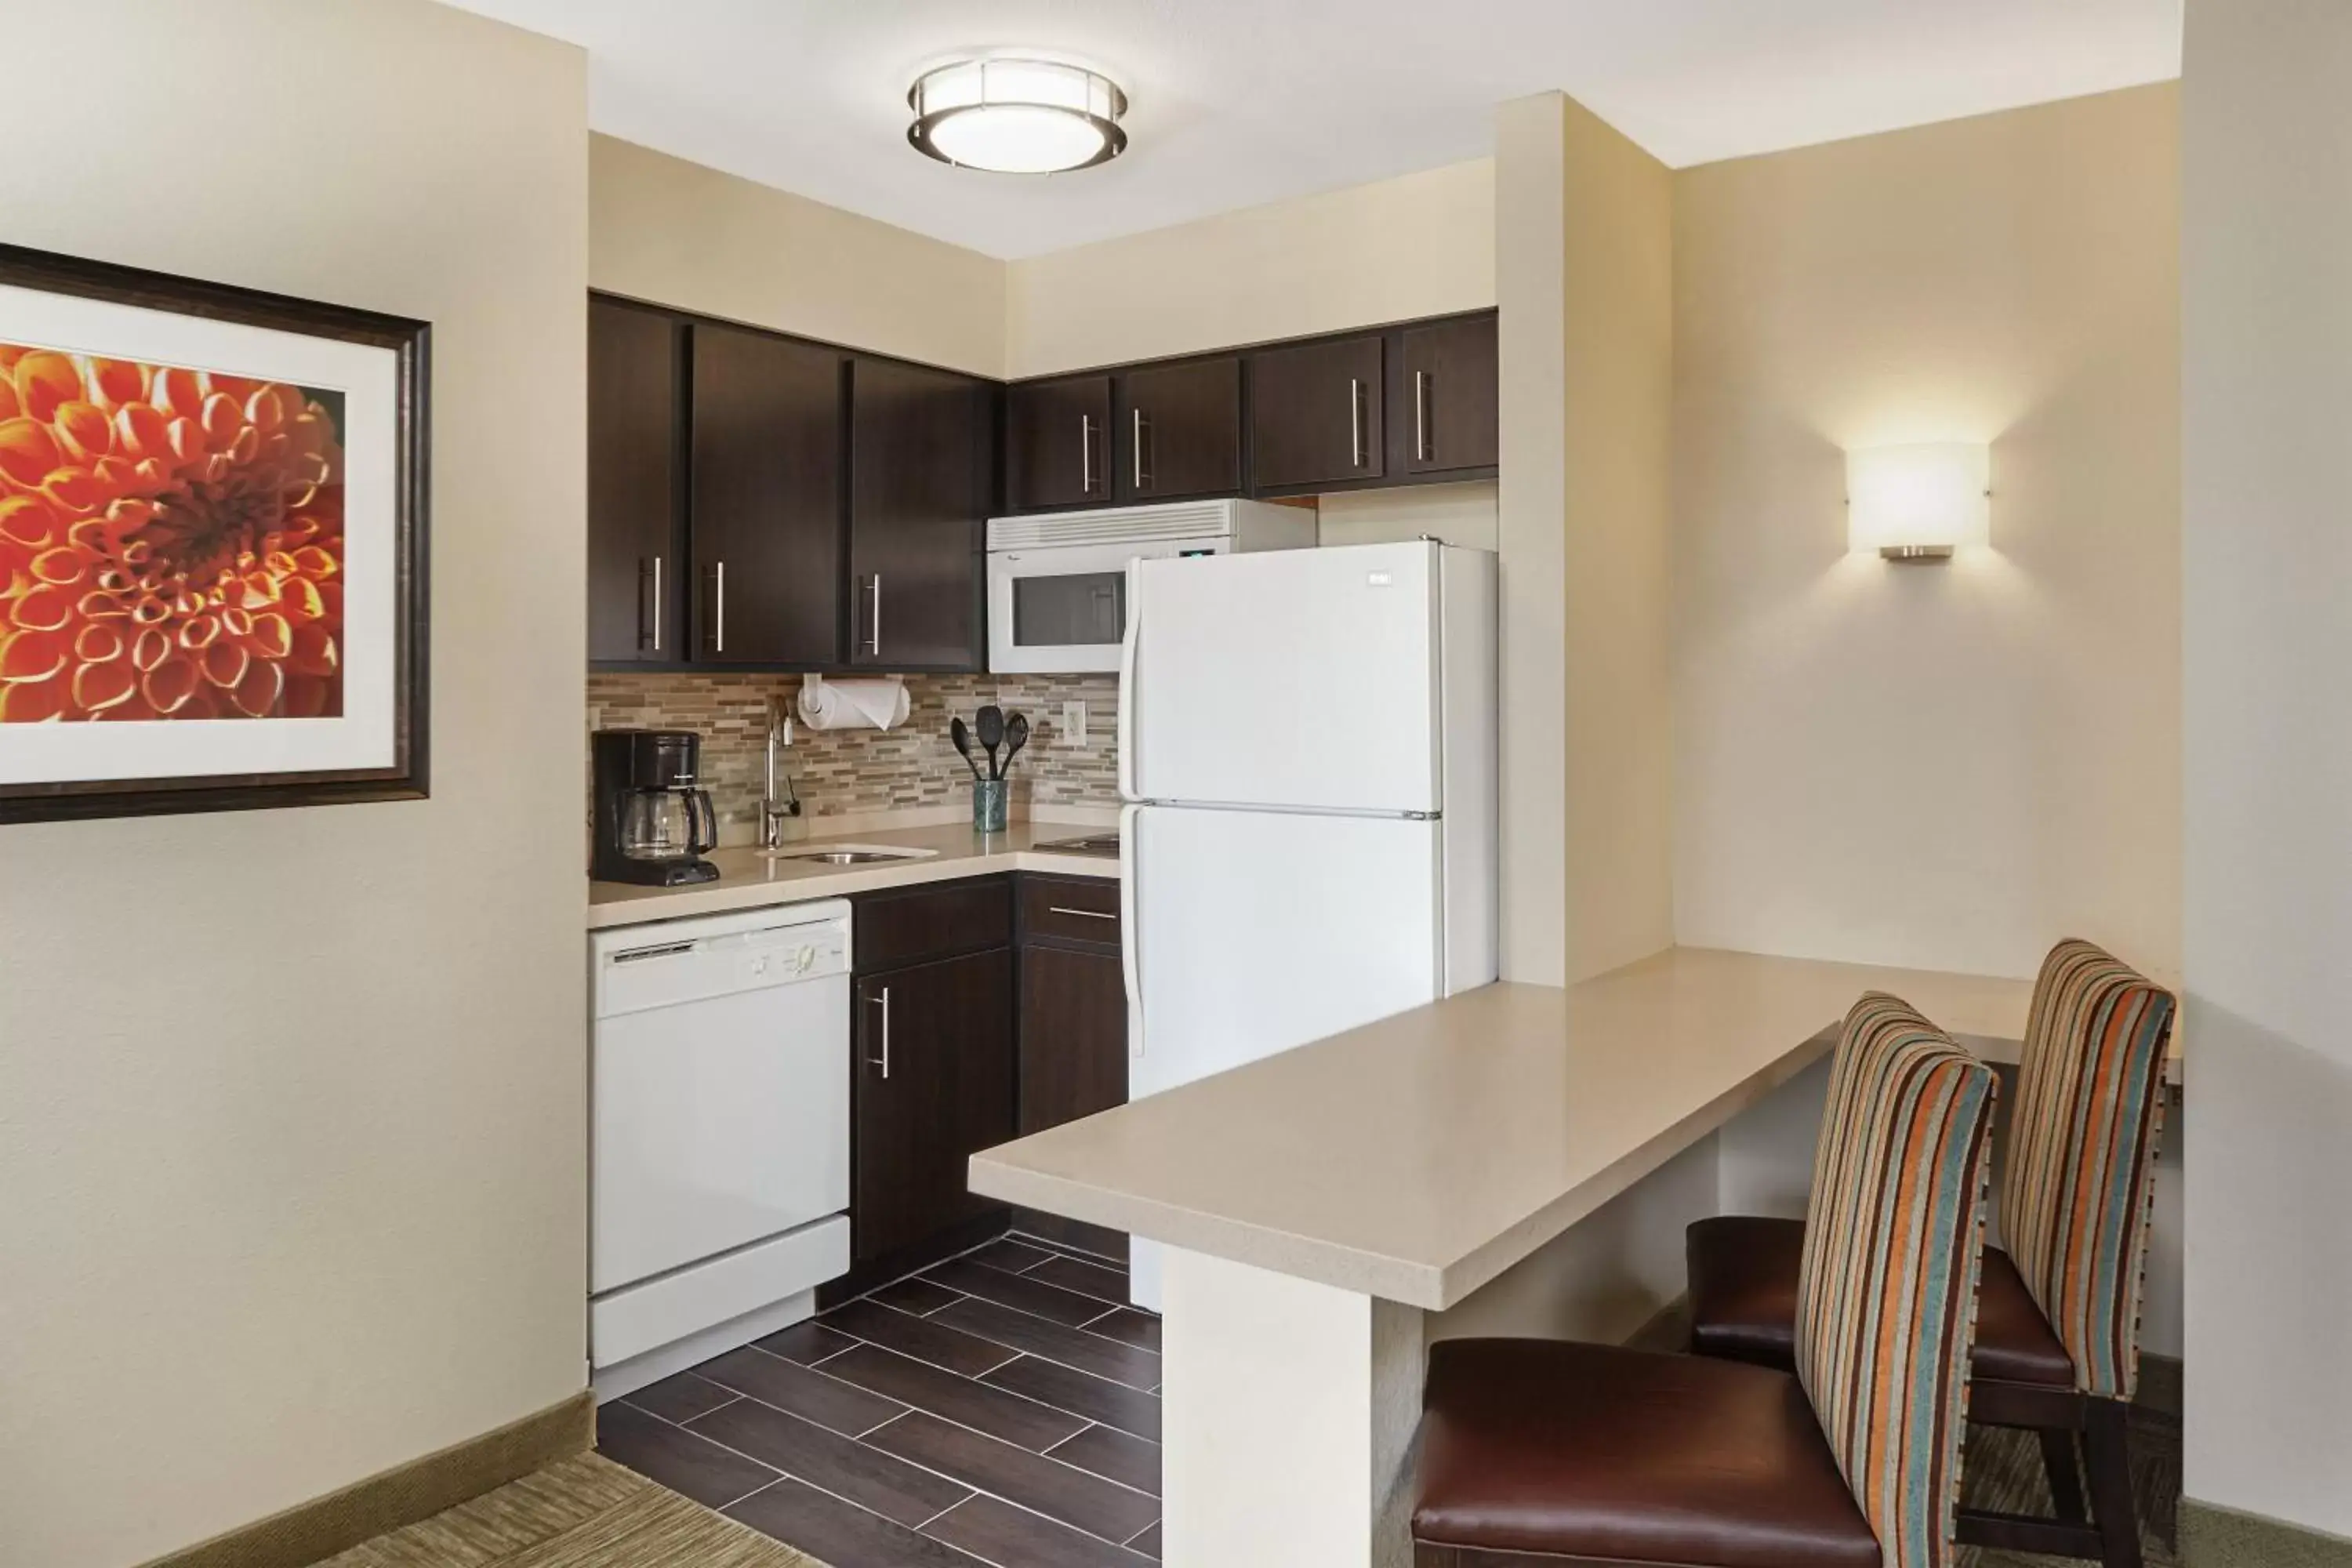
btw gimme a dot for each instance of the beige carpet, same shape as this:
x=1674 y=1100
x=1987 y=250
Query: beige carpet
x=585 y=1512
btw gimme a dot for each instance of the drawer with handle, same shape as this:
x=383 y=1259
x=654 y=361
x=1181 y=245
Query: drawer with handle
x=1069 y=909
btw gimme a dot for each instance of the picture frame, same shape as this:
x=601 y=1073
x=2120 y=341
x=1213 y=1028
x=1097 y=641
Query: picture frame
x=214 y=532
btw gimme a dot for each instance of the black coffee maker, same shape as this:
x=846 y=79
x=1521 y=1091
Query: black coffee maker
x=654 y=823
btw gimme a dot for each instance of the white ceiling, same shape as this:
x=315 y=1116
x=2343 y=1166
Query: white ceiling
x=1237 y=102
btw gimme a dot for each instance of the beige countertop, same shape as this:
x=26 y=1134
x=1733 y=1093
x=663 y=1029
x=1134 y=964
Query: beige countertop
x=1417 y=1158
x=748 y=879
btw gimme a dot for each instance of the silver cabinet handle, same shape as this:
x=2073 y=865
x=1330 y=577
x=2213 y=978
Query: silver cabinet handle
x=883 y=1062
x=1421 y=417
x=1138 y=425
x=1087 y=914
x=873 y=637
x=1085 y=454
x=1355 y=423
x=657 y=602
x=718 y=629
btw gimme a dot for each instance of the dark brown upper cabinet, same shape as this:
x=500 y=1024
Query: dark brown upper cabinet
x=1057 y=443
x=918 y=516
x=634 y=524
x=1179 y=431
x=765 y=498
x=1450 y=416
x=1315 y=412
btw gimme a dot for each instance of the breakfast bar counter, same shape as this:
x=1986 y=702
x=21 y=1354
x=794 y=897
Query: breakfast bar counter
x=1416 y=1158
x=1319 y=1202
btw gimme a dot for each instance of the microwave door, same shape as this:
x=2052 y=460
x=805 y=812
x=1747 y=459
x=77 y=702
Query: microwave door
x=1064 y=608
x=1070 y=609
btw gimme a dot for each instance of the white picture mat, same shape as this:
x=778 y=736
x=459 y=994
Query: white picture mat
x=369 y=379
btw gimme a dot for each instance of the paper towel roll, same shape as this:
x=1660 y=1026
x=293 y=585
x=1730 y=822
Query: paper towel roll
x=871 y=704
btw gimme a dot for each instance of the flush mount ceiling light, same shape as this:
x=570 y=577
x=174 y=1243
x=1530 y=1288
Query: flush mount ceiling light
x=1017 y=116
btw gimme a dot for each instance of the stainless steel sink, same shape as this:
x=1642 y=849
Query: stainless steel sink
x=849 y=854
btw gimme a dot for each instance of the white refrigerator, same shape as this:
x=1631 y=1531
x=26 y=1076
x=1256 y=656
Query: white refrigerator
x=1306 y=749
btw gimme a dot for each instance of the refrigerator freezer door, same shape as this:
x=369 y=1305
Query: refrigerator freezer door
x=1306 y=679
x=1258 y=931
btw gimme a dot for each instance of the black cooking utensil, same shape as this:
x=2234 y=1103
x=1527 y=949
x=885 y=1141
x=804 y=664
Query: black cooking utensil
x=988 y=724
x=963 y=738
x=1016 y=735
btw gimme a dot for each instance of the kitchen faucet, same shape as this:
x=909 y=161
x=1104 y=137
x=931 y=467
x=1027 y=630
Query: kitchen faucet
x=773 y=811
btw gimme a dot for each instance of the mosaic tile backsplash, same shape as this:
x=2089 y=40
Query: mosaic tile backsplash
x=841 y=772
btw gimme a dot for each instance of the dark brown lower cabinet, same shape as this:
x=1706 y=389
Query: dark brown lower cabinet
x=1073 y=1036
x=987 y=1008
x=935 y=1084
x=1073 y=1023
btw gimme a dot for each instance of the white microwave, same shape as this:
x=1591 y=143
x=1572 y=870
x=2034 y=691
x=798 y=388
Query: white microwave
x=1057 y=581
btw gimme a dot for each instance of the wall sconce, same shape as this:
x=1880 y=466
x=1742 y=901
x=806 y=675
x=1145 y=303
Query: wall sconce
x=1918 y=502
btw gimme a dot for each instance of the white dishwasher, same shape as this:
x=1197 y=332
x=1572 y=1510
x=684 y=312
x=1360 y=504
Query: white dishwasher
x=720 y=1133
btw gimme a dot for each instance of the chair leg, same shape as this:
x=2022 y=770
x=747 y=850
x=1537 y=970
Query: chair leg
x=2065 y=1476
x=2106 y=1448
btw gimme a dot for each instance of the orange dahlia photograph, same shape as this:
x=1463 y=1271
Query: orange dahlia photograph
x=170 y=542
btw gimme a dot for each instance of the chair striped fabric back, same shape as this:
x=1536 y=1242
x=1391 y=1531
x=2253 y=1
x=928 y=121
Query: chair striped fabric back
x=1886 y=1292
x=2075 y=1201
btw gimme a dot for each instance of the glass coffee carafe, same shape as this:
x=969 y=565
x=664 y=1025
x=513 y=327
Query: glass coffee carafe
x=667 y=824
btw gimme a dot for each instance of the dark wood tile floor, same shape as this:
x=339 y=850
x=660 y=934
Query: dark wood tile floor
x=1001 y=1408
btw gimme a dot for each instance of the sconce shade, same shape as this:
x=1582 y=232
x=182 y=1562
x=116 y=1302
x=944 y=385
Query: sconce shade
x=1920 y=501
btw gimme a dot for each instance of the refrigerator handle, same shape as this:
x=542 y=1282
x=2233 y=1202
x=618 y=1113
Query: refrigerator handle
x=1129 y=944
x=1125 y=736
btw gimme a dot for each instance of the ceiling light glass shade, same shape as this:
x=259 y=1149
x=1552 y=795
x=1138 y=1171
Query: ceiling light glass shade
x=1017 y=116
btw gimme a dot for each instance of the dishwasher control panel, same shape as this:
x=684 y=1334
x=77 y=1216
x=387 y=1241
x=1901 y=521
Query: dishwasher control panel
x=677 y=962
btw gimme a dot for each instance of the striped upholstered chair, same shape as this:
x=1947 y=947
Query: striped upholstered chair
x=1541 y=1452
x=2058 y=1321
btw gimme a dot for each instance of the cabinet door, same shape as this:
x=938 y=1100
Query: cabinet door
x=766 y=498
x=633 y=438
x=1182 y=430
x=1073 y=1036
x=1451 y=414
x=1315 y=413
x=934 y=1085
x=918 y=449
x=1057 y=442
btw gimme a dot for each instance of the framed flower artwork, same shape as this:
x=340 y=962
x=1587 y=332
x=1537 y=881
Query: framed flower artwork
x=212 y=546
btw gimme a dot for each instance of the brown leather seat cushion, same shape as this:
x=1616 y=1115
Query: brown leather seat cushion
x=1590 y=1451
x=1743 y=1290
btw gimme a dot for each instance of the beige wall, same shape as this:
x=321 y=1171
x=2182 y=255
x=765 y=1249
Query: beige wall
x=1946 y=766
x=1420 y=245
x=1531 y=276
x=292 y=1102
x=1618 y=452
x=1460 y=514
x=2266 y=400
x=1585 y=263
x=681 y=234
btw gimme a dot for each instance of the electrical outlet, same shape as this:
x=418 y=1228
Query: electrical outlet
x=1074 y=726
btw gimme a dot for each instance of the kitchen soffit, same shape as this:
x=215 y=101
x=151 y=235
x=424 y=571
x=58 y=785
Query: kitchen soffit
x=1238 y=102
